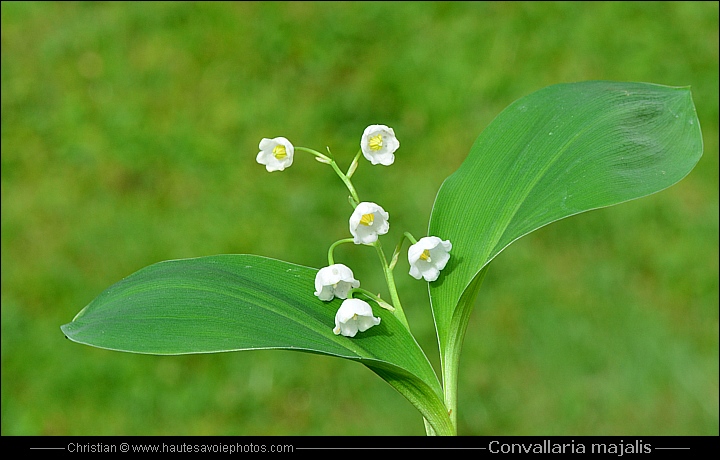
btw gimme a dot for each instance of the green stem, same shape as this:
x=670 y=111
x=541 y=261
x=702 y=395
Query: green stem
x=450 y=386
x=372 y=297
x=399 y=313
x=451 y=347
x=346 y=180
x=396 y=253
x=326 y=159
x=390 y=280
x=409 y=236
x=331 y=259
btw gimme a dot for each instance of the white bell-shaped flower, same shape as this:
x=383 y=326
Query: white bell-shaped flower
x=276 y=154
x=354 y=315
x=367 y=222
x=334 y=281
x=378 y=144
x=428 y=256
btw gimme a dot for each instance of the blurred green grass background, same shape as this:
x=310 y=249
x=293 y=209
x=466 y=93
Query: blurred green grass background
x=129 y=135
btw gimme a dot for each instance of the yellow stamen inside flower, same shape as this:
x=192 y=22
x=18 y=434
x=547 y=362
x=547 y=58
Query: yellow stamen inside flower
x=376 y=142
x=367 y=219
x=426 y=255
x=279 y=152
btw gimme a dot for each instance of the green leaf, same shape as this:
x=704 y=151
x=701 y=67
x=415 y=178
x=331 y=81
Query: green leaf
x=245 y=302
x=560 y=151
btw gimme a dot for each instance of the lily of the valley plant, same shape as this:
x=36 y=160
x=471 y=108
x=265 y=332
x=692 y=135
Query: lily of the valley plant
x=560 y=151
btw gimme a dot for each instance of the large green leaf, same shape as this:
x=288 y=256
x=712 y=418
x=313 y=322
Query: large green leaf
x=562 y=150
x=245 y=302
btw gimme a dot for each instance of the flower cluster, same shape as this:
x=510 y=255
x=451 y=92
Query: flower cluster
x=427 y=257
